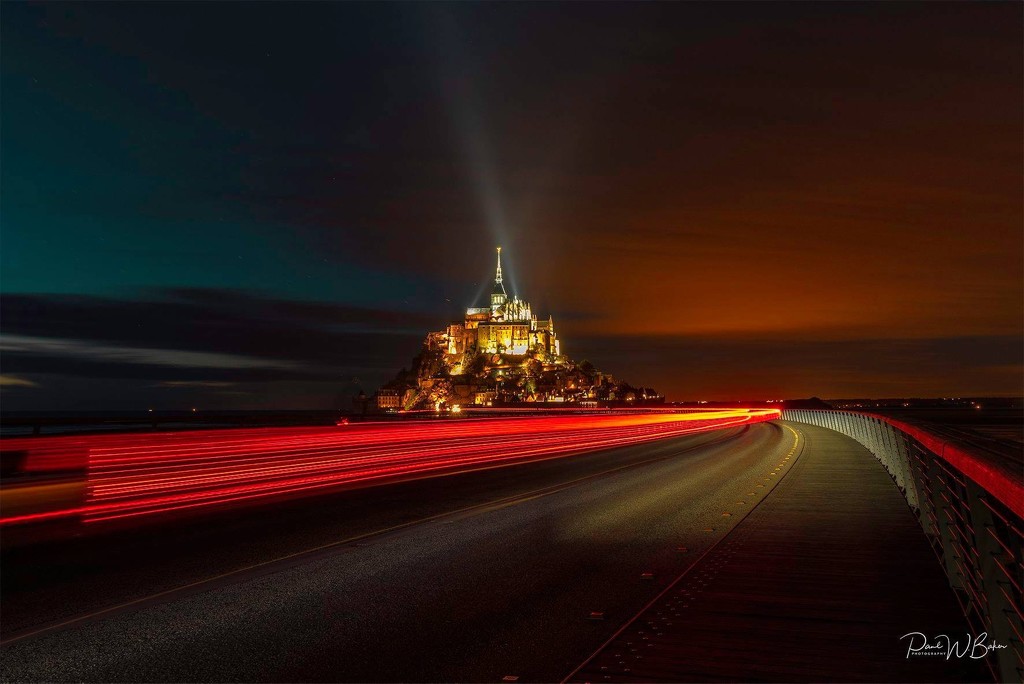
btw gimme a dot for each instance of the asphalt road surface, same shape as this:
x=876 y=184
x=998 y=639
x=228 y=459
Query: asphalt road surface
x=470 y=577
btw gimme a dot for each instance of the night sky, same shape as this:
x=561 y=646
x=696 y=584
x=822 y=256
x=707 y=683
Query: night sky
x=253 y=205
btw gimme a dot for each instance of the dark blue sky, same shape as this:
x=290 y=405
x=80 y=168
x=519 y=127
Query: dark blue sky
x=268 y=205
x=205 y=146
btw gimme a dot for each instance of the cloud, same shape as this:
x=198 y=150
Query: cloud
x=212 y=328
x=13 y=381
x=132 y=355
x=211 y=321
x=203 y=341
x=734 y=368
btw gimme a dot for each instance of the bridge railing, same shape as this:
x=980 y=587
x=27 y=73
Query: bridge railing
x=970 y=505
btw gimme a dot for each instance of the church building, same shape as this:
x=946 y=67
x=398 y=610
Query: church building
x=507 y=327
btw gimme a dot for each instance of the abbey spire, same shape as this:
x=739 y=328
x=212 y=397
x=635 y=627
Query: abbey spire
x=497 y=276
x=498 y=294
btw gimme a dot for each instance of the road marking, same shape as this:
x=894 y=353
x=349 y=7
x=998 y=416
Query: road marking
x=672 y=585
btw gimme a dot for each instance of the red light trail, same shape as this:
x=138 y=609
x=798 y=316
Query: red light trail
x=135 y=475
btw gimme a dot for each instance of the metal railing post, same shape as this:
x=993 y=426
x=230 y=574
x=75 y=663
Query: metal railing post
x=998 y=555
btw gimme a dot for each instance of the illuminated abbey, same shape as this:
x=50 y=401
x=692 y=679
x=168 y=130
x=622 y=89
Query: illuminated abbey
x=508 y=327
x=499 y=355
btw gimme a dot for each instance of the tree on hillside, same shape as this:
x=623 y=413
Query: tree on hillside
x=430 y=362
x=441 y=392
x=477 y=365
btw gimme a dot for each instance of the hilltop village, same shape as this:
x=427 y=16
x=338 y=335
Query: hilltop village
x=501 y=355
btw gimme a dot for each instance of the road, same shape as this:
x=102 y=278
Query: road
x=469 y=577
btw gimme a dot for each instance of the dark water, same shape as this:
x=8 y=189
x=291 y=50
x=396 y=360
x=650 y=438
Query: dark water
x=14 y=424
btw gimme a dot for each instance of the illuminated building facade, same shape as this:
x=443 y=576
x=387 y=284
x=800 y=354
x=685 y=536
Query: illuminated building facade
x=388 y=400
x=508 y=326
